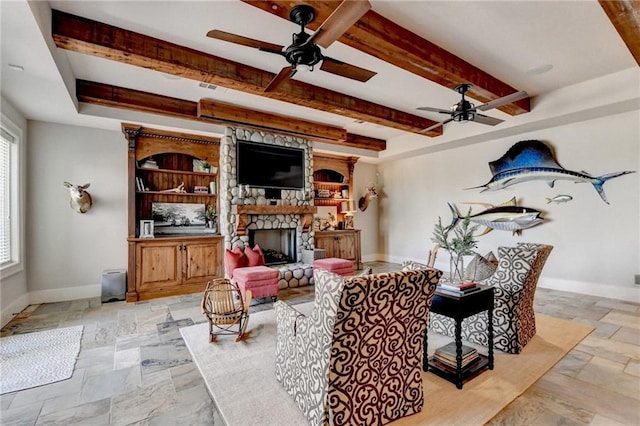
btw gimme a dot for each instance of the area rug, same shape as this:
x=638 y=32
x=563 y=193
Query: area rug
x=240 y=376
x=39 y=358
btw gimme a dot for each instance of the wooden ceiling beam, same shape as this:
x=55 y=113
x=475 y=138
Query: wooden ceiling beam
x=377 y=36
x=219 y=113
x=625 y=17
x=105 y=41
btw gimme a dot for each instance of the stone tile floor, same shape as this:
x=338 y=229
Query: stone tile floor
x=134 y=369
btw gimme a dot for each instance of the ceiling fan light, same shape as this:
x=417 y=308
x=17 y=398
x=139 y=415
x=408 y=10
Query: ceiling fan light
x=304 y=68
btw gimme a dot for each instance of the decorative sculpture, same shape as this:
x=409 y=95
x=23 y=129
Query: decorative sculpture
x=80 y=200
x=370 y=193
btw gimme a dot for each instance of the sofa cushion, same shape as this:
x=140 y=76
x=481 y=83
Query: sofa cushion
x=234 y=259
x=255 y=257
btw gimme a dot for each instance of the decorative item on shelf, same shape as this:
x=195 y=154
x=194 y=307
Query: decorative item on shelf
x=371 y=192
x=327 y=218
x=178 y=189
x=200 y=190
x=211 y=215
x=344 y=192
x=212 y=187
x=149 y=163
x=140 y=184
x=201 y=166
x=462 y=244
x=146 y=229
x=324 y=193
x=178 y=218
x=348 y=208
x=80 y=200
x=243 y=191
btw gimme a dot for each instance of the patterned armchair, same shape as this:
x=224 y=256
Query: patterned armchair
x=515 y=281
x=357 y=358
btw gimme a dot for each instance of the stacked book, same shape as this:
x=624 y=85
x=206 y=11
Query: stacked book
x=445 y=357
x=460 y=288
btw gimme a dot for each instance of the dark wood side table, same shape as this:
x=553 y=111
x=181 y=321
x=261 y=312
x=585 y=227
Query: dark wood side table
x=459 y=308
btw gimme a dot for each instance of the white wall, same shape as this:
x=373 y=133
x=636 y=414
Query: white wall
x=68 y=251
x=367 y=220
x=596 y=245
x=14 y=296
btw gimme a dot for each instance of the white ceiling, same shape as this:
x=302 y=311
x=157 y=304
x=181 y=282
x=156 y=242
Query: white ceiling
x=511 y=40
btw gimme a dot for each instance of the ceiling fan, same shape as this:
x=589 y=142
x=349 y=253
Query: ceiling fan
x=304 y=51
x=465 y=111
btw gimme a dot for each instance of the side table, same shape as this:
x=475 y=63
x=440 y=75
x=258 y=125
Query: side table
x=459 y=308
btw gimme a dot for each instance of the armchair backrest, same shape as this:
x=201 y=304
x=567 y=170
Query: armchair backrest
x=376 y=347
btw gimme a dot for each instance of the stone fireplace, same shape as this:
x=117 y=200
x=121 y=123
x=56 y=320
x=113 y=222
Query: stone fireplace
x=253 y=209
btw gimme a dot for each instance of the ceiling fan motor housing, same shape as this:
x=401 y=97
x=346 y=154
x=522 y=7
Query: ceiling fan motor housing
x=300 y=53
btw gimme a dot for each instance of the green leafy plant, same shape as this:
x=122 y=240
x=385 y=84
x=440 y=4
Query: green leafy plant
x=461 y=244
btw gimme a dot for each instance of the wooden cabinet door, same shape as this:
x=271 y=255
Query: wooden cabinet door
x=326 y=242
x=201 y=261
x=158 y=266
x=346 y=246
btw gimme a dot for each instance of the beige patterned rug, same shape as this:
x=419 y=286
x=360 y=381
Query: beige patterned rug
x=241 y=379
x=39 y=358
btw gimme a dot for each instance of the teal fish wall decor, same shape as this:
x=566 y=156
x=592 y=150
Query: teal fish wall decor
x=560 y=199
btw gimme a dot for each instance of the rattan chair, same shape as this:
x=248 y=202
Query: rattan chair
x=225 y=308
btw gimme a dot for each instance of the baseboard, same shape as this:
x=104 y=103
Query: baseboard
x=630 y=293
x=65 y=294
x=14 y=309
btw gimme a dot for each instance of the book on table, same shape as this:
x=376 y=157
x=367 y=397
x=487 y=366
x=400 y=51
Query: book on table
x=447 y=290
x=459 y=287
x=447 y=355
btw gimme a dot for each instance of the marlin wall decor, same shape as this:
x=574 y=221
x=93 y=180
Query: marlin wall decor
x=533 y=160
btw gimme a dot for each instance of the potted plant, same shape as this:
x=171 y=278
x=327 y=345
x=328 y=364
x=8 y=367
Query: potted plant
x=461 y=244
x=211 y=215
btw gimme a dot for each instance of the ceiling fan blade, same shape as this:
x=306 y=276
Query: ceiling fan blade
x=503 y=100
x=245 y=41
x=435 y=126
x=441 y=111
x=485 y=119
x=285 y=74
x=343 y=69
x=343 y=17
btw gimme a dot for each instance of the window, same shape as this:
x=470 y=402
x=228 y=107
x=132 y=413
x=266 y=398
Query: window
x=10 y=235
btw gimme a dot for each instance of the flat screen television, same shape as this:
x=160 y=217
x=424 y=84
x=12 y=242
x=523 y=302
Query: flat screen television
x=270 y=166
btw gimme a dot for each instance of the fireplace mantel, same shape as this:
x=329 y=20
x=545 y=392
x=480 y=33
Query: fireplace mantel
x=244 y=211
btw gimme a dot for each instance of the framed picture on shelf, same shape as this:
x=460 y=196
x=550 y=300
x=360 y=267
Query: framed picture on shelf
x=146 y=229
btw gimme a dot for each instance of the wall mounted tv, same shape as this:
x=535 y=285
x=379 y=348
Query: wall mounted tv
x=270 y=166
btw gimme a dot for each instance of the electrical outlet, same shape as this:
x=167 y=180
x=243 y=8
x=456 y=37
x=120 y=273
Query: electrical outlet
x=637 y=279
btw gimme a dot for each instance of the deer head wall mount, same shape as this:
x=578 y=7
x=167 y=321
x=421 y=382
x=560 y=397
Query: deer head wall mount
x=371 y=192
x=80 y=199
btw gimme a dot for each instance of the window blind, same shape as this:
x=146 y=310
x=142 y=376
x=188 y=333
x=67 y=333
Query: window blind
x=5 y=195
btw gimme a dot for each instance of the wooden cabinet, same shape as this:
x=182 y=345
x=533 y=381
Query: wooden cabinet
x=170 y=186
x=333 y=181
x=168 y=266
x=344 y=244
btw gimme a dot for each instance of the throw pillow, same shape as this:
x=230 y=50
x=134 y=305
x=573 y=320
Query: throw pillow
x=410 y=265
x=254 y=255
x=234 y=259
x=481 y=268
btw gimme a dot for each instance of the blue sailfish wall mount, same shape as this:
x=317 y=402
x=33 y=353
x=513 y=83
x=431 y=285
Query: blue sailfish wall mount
x=533 y=160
